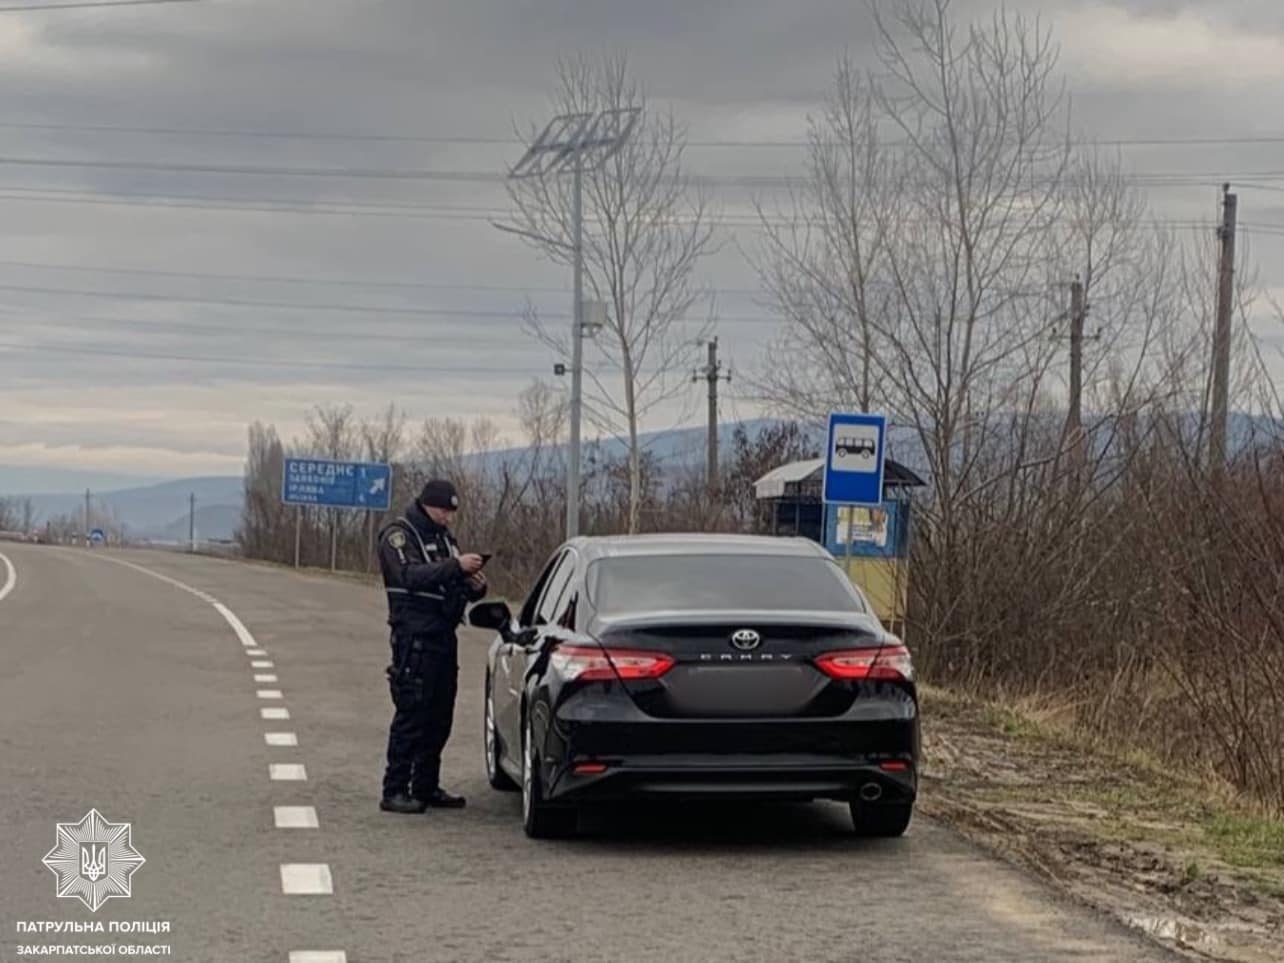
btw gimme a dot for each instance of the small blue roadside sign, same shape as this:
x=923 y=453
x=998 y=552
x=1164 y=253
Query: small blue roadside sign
x=337 y=484
x=98 y=536
x=856 y=446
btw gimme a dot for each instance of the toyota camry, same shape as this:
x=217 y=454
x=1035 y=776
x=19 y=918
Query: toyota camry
x=698 y=666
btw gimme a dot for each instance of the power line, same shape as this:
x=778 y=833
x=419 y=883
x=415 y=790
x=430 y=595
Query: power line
x=318 y=306
x=530 y=370
x=486 y=177
x=473 y=139
x=13 y=348
x=342 y=282
x=83 y=4
x=427 y=212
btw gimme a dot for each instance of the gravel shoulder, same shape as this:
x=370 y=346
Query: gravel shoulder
x=1165 y=853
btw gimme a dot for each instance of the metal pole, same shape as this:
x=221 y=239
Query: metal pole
x=191 y=522
x=298 y=532
x=334 y=528
x=577 y=359
x=87 y=522
x=848 y=539
x=712 y=467
x=1222 y=335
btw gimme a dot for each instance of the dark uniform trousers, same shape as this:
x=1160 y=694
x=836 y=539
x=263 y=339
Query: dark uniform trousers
x=427 y=595
x=424 y=679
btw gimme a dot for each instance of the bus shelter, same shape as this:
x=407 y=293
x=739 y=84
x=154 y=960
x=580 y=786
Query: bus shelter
x=870 y=543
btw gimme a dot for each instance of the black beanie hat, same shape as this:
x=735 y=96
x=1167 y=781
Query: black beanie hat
x=439 y=493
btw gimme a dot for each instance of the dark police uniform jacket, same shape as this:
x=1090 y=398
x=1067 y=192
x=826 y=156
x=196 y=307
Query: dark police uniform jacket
x=427 y=590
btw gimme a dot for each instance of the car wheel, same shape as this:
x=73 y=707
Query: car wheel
x=539 y=819
x=495 y=774
x=881 y=820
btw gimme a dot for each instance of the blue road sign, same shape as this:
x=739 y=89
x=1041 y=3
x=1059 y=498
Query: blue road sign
x=854 y=459
x=98 y=536
x=337 y=484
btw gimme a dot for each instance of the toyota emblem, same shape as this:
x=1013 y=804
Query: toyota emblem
x=746 y=639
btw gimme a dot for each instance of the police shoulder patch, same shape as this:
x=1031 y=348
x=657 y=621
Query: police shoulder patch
x=397 y=538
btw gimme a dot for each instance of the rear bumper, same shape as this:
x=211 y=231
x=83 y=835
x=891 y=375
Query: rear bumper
x=874 y=744
x=717 y=777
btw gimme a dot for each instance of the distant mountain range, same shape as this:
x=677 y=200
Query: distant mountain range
x=160 y=510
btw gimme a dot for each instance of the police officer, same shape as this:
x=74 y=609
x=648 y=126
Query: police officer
x=429 y=583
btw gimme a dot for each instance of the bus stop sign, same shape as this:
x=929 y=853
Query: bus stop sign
x=854 y=457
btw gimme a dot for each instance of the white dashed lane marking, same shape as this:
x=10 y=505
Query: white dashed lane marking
x=306 y=879
x=10 y=577
x=295 y=817
x=296 y=878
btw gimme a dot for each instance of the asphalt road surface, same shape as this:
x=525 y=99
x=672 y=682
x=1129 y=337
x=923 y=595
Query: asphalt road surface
x=128 y=693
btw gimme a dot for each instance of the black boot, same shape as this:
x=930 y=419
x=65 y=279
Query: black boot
x=440 y=799
x=402 y=803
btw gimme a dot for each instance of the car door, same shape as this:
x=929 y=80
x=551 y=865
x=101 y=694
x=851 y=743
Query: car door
x=510 y=662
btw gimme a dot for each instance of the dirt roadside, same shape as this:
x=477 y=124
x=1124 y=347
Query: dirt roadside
x=1197 y=871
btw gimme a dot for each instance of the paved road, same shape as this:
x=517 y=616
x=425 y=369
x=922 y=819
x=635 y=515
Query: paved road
x=125 y=692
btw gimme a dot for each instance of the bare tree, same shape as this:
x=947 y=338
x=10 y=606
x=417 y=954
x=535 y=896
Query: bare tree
x=646 y=230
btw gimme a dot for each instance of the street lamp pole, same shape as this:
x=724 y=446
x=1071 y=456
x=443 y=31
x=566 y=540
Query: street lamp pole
x=577 y=360
x=574 y=143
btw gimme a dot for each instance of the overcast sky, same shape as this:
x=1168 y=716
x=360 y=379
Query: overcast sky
x=82 y=245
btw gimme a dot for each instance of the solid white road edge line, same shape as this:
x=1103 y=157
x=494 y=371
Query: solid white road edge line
x=10 y=580
x=318 y=956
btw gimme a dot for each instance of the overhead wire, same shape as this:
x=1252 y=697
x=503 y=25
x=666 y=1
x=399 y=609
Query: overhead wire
x=85 y=4
x=1229 y=140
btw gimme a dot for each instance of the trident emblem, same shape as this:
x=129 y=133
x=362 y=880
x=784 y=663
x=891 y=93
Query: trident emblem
x=93 y=861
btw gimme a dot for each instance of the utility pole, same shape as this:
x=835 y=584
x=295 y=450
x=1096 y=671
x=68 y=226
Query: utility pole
x=1222 y=334
x=191 y=522
x=712 y=373
x=575 y=143
x=1074 y=437
x=87 y=521
x=1075 y=421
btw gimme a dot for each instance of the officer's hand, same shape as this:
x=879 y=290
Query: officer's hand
x=477 y=580
x=470 y=564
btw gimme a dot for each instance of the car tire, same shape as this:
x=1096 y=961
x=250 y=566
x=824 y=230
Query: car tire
x=881 y=820
x=539 y=819
x=495 y=774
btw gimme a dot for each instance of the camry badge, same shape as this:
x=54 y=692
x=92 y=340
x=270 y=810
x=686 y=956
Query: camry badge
x=746 y=639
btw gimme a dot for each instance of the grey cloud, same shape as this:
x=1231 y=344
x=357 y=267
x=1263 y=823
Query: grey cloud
x=749 y=68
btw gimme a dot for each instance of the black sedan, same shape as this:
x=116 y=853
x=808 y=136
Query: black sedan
x=698 y=666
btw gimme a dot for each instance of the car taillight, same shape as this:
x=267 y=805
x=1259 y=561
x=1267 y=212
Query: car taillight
x=588 y=663
x=891 y=662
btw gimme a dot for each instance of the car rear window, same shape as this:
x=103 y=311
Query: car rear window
x=645 y=583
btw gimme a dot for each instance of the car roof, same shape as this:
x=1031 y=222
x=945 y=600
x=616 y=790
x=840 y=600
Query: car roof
x=610 y=546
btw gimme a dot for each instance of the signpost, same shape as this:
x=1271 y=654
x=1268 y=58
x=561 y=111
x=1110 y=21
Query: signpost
x=364 y=486
x=855 y=451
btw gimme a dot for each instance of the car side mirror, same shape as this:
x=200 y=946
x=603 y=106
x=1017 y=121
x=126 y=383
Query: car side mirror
x=491 y=615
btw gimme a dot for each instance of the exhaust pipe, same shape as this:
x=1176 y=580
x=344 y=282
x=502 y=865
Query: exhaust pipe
x=871 y=792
